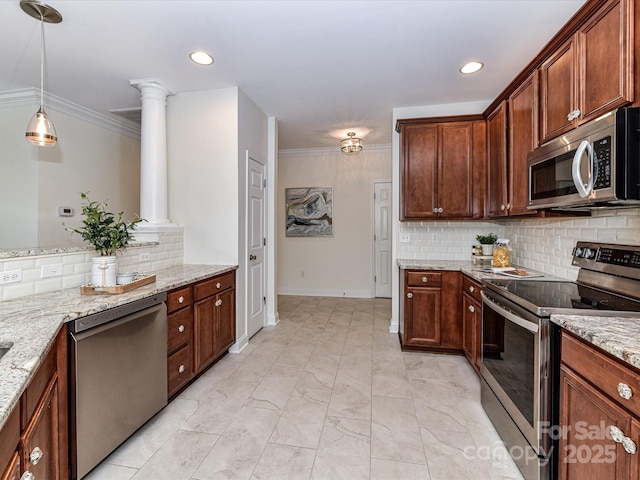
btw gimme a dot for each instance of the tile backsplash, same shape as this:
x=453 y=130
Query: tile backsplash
x=76 y=266
x=543 y=244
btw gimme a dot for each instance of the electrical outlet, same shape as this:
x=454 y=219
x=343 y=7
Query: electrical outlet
x=10 y=276
x=145 y=257
x=54 y=270
x=435 y=238
x=405 y=237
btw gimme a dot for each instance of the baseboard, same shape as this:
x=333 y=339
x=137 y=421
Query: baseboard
x=273 y=319
x=240 y=344
x=394 y=326
x=325 y=293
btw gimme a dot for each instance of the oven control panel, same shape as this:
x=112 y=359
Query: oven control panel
x=601 y=256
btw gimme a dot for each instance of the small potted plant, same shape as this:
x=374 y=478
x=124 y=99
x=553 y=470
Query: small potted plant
x=487 y=242
x=108 y=233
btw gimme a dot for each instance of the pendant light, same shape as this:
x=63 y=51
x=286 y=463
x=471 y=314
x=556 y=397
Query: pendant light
x=351 y=145
x=40 y=130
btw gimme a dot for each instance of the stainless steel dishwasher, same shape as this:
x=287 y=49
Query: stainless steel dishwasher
x=118 y=377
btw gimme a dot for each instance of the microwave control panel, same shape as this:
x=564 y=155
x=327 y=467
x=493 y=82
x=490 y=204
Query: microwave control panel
x=602 y=153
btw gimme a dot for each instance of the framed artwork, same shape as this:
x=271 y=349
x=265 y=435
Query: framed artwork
x=309 y=211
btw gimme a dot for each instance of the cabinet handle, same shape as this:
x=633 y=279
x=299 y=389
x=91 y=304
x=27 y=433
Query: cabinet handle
x=181 y=299
x=472 y=308
x=218 y=285
x=625 y=391
x=181 y=328
x=218 y=303
x=27 y=476
x=425 y=279
x=619 y=437
x=181 y=369
x=409 y=295
x=35 y=455
x=472 y=289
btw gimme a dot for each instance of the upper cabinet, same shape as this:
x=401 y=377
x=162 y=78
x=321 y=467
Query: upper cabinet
x=497 y=200
x=591 y=73
x=442 y=169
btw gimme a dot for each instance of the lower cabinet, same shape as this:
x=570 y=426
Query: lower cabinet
x=34 y=440
x=599 y=408
x=471 y=321
x=202 y=327
x=430 y=312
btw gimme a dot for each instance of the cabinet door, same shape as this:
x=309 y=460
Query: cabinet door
x=419 y=163
x=40 y=439
x=13 y=469
x=523 y=138
x=468 y=327
x=606 y=60
x=455 y=170
x=558 y=92
x=203 y=333
x=422 y=317
x=497 y=162
x=635 y=459
x=225 y=321
x=586 y=416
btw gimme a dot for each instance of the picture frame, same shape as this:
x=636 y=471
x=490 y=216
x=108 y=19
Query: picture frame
x=309 y=212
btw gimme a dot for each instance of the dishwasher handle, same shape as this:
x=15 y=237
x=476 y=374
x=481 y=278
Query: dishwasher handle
x=132 y=317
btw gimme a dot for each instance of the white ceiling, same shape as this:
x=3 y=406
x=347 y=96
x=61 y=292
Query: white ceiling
x=318 y=66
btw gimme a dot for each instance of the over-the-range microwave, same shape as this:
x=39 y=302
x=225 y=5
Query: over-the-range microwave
x=595 y=165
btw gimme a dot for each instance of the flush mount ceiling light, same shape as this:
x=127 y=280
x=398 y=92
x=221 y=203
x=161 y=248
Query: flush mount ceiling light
x=471 y=67
x=201 y=58
x=40 y=130
x=351 y=145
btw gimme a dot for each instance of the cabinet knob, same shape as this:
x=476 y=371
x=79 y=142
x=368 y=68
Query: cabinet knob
x=573 y=115
x=35 y=455
x=425 y=279
x=619 y=437
x=472 y=289
x=503 y=208
x=625 y=391
x=218 y=303
x=181 y=369
x=181 y=328
x=409 y=295
x=435 y=210
x=27 y=476
x=508 y=206
x=218 y=285
x=440 y=210
x=472 y=308
x=181 y=299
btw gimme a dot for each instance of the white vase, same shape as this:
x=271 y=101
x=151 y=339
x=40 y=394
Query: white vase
x=487 y=249
x=104 y=270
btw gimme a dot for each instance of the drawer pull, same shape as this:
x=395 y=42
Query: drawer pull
x=472 y=289
x=27 y=476
x=472 y=308
x=181 y=299
x=425 y=279
x=35 y=455
x=181 y=369
x=181 y=328
x=218 y=285
x=409 y=295
x=624 y=391
x=218 y=303
x=619 y=437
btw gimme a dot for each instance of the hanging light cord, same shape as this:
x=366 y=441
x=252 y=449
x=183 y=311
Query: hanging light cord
x=41 y=61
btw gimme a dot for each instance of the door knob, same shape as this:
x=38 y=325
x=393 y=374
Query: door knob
x=252 y=257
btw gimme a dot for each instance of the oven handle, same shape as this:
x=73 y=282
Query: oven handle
x=512 y=317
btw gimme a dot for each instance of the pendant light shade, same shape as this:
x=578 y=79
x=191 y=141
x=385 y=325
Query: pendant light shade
x=351 y=145
x=40 y=130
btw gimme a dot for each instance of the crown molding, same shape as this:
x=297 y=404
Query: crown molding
x=313 y=152
x=29 y=96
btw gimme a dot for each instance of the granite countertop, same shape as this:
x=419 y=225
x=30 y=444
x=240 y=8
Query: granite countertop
x=615 y=335
x=30 y=324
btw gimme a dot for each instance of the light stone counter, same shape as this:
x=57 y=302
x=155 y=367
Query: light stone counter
x=617 y=335
x=30 y=324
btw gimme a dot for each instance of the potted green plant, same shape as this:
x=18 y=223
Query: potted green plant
x=487 y=242
x=107 y=233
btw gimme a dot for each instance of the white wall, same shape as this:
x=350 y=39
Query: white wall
x=341 y=265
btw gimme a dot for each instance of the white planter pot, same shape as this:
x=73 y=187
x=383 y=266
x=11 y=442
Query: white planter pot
x=487 y=249
x=104 y=270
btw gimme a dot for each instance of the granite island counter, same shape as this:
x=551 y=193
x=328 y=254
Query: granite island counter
x=29 y=325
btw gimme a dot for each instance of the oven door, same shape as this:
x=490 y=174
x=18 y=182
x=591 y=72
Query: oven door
x=512 y=364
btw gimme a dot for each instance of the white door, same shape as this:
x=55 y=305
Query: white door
x=256 y=310
x=382 y=238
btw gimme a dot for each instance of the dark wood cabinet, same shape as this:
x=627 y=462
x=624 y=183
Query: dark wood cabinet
x=430 y=316
x=591 y=74
x=598 y=420
x=442 y=169
x=497 y=199
x=471 y=321
x=180 y=339
x=35 y=437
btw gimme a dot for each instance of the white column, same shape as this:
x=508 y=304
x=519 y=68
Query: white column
x=153 y=152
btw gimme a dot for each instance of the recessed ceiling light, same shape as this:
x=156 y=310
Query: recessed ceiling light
x=471 y=67
x=201 y=58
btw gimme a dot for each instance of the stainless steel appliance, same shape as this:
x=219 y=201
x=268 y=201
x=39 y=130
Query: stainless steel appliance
x=520 y=346
x=595 y=165
x=118 y=377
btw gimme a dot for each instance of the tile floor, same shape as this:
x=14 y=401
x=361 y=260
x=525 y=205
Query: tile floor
x=326 y=394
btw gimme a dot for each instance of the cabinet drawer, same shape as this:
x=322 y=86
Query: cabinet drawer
x=214 y=285
x=179 y=298
x=180 y=329
x=179 y=366
x=607 y=374
x=471 y=288
x=423 y=279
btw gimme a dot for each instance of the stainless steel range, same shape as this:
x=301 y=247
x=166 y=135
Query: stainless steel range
x=520 y=352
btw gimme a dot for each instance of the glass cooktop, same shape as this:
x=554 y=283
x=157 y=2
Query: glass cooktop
x=546 y=297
